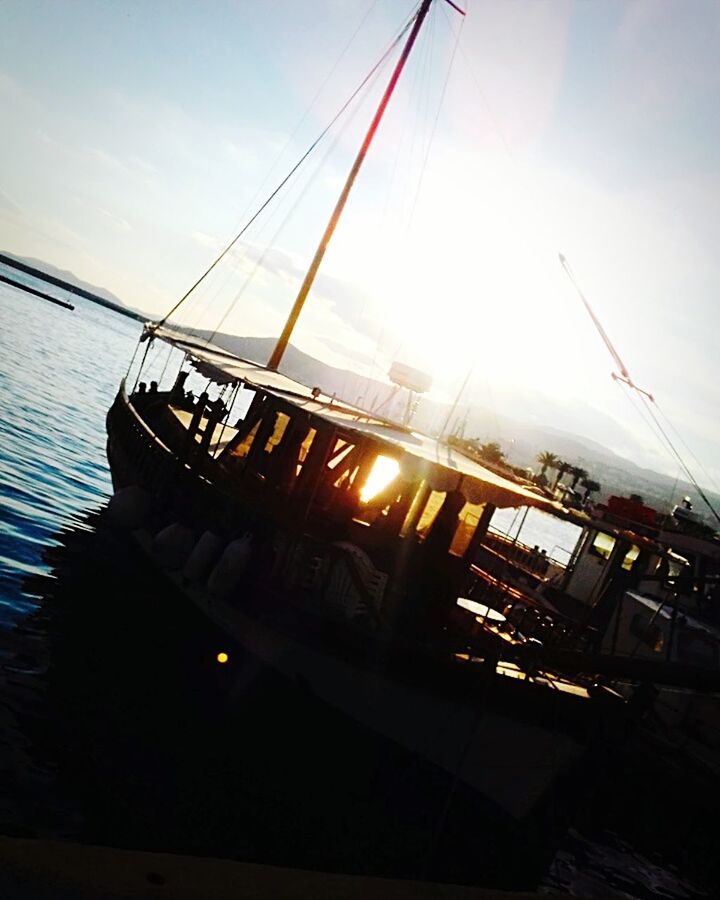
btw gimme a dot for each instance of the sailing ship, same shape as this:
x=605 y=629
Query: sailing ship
x=341 y=548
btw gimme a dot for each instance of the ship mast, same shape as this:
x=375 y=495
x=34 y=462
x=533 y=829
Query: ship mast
x=287 y=331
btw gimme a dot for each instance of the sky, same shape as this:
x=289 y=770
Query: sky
x=139 y=137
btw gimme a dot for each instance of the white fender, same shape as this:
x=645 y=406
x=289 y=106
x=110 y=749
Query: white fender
x=129 y=507
x=203 y=557
x=172 y=545
x=227 y=574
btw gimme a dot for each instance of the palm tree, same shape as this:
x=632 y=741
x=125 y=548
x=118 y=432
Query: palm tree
x=577 y=474
x=562 y=467
x=590 y=487
x=547 y=460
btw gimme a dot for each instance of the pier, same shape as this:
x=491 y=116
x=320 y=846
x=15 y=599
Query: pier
x=37 y=293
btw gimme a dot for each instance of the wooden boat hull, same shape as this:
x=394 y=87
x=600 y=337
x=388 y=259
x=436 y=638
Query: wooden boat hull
x=505 y=741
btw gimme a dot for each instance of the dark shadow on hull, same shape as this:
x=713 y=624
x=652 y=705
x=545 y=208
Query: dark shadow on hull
x=150 y=743
x=122 y=729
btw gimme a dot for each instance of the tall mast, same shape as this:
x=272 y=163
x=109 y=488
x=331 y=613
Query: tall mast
x=282 y=343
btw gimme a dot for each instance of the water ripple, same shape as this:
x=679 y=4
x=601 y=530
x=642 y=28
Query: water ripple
x=59 y=371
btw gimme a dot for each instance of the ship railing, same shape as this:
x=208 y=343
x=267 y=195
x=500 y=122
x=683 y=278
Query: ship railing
x=524 y=617
x=150 y=458
x=531 y=559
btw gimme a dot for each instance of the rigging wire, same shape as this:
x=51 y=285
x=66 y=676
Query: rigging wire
x=511 y=156
x=646 y=398
x=382 y=246
x=194 y=323
x=292 y=171
x=423 y=105
x=688 y=448
x=634 y=402
x=271 y=243
x=410 y=127
x=481 y=93
x=682 y=462
x=433 y=131
x=675 y=484
x=425 y=124
x=495 y=125
x=372 y=367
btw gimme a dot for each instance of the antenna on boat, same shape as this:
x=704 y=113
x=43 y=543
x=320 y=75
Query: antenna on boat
x=287 y=331
x=453 y=407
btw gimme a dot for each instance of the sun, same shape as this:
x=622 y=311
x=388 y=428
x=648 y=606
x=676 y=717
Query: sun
x=476 y=286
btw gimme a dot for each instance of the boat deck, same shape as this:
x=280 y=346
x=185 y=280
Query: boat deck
x=221 y=438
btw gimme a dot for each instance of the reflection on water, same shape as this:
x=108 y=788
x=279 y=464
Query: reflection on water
x=536 y=528
x=59 y=371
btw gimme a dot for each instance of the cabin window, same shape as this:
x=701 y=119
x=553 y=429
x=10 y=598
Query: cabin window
x=380 y=490
x=467 y=523
x=244 y=399
x=344 y=464
x=384 y=471
x=305 y=449
x=340 y=452
x=281 y=424
x=429 y=513
x=602 y=545
x=630 y=558
x=241 y=450
x=346 y=479
x=336 y=473
x=420 y=493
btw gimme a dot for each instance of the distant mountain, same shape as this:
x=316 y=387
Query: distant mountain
x=350 y=386
x=68 y=280
x=616 y=474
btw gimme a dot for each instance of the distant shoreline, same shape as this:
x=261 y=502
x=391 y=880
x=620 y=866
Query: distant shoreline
x=68 y=286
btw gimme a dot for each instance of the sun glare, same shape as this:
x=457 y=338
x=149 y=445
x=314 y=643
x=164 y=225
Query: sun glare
x=457 y=297
x=384 y=469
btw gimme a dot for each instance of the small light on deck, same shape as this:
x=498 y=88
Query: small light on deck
x=222 y=657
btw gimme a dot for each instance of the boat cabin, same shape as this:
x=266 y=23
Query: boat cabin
x=348 y=503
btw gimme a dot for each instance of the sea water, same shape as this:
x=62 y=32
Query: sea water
x=59 y=371
x=538 y=529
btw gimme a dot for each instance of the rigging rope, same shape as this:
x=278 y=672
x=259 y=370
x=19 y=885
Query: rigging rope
x=682 y=462
x=420 y=144
x=292 y=171
x=647 y=399
x=405 y=145
x=271 y=243
x=194 y=323
x=633 y=400
x=437 y=115
x=689 y=449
